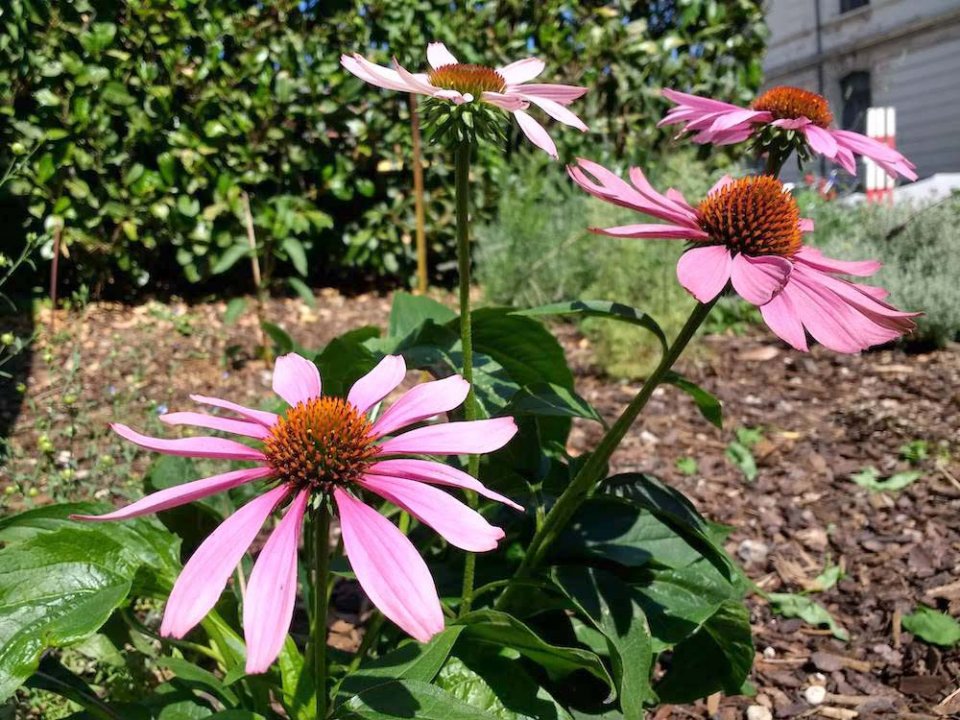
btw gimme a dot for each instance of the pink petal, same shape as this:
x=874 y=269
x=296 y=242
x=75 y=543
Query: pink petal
x=557 y=111
x=416 y=83
x=237 y=427
x=378 y=383
x=389 y=568
x=183 y=494
x=670 y=232
x=820 y=141
x=782 y=318
x=720 y=184
x=510 y=103
x=455 y=522
x=457 y=438
x=438 y=55
x=563 y=94
x=374 y=74
x=536 y=133
x=678 y=206
x=268 y=419
x=696 y=101
x=272 y=590
x=704 y=271
x=889 y=159
x=734 y=118
x=759 y=279
x=437 y=473
x=805 y=225
x=799 y=123
x=296 y=379
x=421 y=402
x=201 y=447
x=204 y=576
x=522 y=70
x=814 y=258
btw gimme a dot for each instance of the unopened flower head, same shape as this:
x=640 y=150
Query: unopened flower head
x=469 y=100
x=748 y=233
x=327 y=451
x=782 y=120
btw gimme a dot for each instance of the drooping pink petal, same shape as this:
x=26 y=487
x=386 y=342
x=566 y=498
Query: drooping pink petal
x=805 y=225
x=374 y=74
x=204 y=576
x=272 y=590
x=820 y=141
x=296 y=379
x=378 y=383
x=720 y=184
x=886 y=157
x=453 y=438
x=697 y=102
x=563 y=94
x=437 y=473
x=734 y=118
x=758 y=279
x=182 y=494
x=816 y=259
x=459 y=525
x=781 y=316
x=829 y=321
x=536 y=133
x=557 y=111
x=669 y=232
x=521 y=71
x=510 y=103
x=800 y=123
x=438 y=55
x=705 y=271
x=237 y=427
x=268 y=419
x=389 y=568
x=417 y=82
x=200 y=447
x=421 y=402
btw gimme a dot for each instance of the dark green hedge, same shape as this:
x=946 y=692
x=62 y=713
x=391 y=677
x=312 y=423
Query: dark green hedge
x=153 y=117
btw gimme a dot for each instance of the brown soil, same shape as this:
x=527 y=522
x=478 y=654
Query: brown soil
x=823 y=417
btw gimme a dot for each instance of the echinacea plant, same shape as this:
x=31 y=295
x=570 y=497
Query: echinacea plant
x=596 y=595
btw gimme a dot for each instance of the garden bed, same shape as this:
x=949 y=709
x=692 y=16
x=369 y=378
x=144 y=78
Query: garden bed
x=809 y=421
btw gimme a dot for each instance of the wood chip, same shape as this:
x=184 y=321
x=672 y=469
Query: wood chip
x=837 y=713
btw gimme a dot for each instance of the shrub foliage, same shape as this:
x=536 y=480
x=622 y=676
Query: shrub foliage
x=154 y=119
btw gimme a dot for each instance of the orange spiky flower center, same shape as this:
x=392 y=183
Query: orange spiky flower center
x=466 y=78
x=753 y=216
x=321 y=443
x=789 y=103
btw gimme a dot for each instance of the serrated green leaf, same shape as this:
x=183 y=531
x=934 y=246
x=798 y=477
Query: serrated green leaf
x=933 y=626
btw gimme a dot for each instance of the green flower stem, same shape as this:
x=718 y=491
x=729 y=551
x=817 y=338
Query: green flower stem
x=592 y=472
x=321 y=572
x=462 y=186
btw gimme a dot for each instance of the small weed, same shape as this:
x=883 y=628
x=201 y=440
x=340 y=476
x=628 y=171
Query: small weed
x=871 y=479
x=915 y=451
x=687 y=465
x=740 y=451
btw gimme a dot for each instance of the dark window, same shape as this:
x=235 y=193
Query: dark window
x=848 y=5
x=855 y=91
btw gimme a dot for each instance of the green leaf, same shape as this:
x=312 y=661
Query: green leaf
x=408 y=312
x=602 y=309
x=345 y=360
x=408 y=699
x=498 y=685
x=199 y=678
x=53 y=677
x=741 y=456
x=411 y=661
x=56 y=588
x=115 y=93
x=615 y=610
x=616 y=530
x=547 y=399
x=708 y=405
x=791 y=605
x=933 y=626
x=673 y=508
x=229 y=258
x=299 y=693
x=498 y=629
x=303 y=290
x=870 y=479
x=282 y=342
x=717 y=658
x=234 y=310
x=298 y=256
